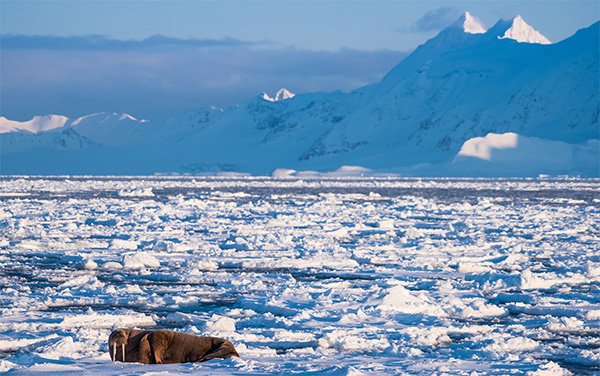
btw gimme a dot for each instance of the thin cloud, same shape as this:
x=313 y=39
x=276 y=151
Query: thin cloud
x=436 y=19
x=102 y=43
x=156 y=82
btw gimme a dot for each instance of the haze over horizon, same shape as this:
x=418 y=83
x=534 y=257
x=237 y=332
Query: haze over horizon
x=156 y=59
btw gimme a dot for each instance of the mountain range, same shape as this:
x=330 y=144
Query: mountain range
x=468 y=102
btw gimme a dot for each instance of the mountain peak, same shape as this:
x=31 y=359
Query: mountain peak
x=281 y=95
x=35 y=125
x=469 y=24
x=517 y=29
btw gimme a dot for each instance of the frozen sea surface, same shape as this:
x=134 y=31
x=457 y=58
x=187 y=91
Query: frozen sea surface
x=312 y=277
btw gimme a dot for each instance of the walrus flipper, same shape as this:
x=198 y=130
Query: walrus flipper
x=160 y=340
x=145 y=351
x=224 y=351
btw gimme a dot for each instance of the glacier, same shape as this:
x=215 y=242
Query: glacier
x=462 y=85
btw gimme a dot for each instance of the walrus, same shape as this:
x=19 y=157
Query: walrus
x=166 y=346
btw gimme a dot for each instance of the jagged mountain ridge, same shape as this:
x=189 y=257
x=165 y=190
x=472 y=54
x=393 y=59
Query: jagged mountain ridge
x=459 y=85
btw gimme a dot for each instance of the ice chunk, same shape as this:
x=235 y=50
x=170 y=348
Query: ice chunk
x=281 y=173
x=385 y=224
x=178 y=318
x=220 y=324
x=83 y=282
x=476 y=308
x=140 y=260
x=94 y=320
x=112 y=265
x=352 y=340
x=593 y=315
x=6 y=366
x=124 y=244
x=135 y=192
x=163 y=246
x=550 y=369
x=90 y=265
x=423 y=336
x=513 y=344
x=64 y=348
x=206 y=264
x=339 y=233
x=472 y=267
x=565 y=324
x=400 y=299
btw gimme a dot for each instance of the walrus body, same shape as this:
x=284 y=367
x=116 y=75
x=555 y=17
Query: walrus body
x=166 y=346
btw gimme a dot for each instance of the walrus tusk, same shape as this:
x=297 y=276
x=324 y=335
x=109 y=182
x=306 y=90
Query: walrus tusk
x=114 y=352
x=123 y=352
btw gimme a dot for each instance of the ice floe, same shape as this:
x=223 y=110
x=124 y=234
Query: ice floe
x=327 y=276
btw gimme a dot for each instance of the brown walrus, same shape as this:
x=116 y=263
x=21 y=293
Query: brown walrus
x=166 y=346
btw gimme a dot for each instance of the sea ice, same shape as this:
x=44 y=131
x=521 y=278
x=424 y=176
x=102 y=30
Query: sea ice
x=321 y=276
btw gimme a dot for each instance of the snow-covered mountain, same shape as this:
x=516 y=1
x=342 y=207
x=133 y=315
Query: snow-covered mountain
x=517 y=29
x=457 y=88
x=469 y=24
x=281 y=95
x=37 y=124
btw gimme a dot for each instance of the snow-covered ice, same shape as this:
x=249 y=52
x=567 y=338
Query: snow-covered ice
x=315 y=276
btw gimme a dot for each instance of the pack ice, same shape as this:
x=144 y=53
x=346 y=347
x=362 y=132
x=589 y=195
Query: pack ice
x=321 y=276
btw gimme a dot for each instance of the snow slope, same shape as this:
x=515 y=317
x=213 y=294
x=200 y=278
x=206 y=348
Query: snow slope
x=460 y=85
x=517 y=29
x=35 y=125
x=470 y=24
x=111 y=129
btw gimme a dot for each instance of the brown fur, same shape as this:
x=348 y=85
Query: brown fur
x=166 y=346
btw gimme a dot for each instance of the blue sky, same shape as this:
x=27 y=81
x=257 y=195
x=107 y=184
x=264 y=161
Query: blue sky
x=156 y=58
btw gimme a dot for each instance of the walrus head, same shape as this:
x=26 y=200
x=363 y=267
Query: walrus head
x=118 y=338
